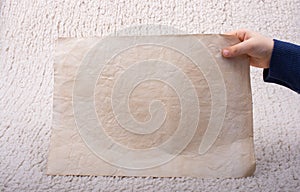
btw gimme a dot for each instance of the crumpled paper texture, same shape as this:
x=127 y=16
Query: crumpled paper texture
x=163 y=106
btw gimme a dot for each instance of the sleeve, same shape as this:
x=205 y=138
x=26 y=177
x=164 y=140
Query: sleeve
x=284 y=66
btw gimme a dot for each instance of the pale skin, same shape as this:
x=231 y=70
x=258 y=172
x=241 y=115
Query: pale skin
x=257 y=47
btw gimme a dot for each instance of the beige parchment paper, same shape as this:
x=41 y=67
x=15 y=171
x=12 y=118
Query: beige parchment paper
x=165 y=106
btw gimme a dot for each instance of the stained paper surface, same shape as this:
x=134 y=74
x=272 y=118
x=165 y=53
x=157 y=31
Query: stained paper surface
x=166 y=106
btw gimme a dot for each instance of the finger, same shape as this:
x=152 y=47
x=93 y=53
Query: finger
x=232 y=32
x=238 y=49
x=241 y=33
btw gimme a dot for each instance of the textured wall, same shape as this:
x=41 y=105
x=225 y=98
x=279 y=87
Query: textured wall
x=28 y=31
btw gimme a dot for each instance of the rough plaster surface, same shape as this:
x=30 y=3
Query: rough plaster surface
x=28 y=31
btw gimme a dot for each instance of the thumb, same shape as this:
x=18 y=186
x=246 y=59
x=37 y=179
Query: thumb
x=236 y=50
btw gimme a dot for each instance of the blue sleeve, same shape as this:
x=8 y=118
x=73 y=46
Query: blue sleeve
x=284 y=66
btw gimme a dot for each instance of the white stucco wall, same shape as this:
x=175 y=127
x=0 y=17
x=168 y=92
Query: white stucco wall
x=28 y=31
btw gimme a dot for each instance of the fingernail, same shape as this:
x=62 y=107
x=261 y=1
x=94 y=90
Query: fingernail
x=226 y=52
